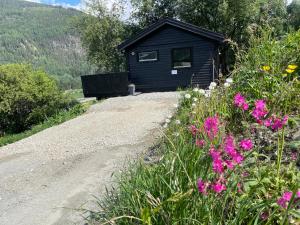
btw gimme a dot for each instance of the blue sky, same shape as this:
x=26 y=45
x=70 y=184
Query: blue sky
x=78 y=4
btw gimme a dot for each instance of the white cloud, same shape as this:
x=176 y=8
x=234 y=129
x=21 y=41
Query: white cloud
x=80 y=6
x=36 y=1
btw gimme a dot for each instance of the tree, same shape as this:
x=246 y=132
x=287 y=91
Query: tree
x=230 y=17
x=102 y=30
x=294 y=14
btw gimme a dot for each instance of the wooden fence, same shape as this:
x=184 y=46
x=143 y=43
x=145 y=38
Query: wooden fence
x=105 y=85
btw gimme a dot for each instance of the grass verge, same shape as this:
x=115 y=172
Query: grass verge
x=50 y=122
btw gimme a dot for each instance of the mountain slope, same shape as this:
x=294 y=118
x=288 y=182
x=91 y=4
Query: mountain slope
x=43 y=36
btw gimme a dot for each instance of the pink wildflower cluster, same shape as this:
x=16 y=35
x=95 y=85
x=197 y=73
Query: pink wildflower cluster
x=217 y=187
x=240 y=102
x=211 y=126
x=193 y=130
x=276 y=123
x=223 y=159
x=260 y=112
x=200 y=143
x=286 y=197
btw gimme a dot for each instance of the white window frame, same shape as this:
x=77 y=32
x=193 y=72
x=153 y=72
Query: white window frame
x=148 y=60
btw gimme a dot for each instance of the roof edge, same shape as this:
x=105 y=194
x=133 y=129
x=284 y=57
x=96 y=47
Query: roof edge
x=176 y=23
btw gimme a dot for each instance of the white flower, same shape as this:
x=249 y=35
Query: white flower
x=227 y=85
x=193 y=104
x=196 y=89
x=211 y=87
x=177 y=122
x=207 y=93
x=201 y=91
x=176 y=134
x=229 y=80
x=168 y=121
x=213 y=84
x=169 y=116
x=195 y=99
x=165 y=125
x=175 y=105
x=187 y=96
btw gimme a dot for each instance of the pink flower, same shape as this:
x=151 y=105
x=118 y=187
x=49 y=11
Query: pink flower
x=238 y=158
x=193 y=130
x=239 y=188
x=218 y=166
x=240 y=102
x=294 y=156
x=275 y=122
x=218 y=187
x=216 y=155
x=260 y=110
x=298 y=194
x=264 y=216
x=245 y=174
x=245 y=107
x=285 y=199
x=202 y=186
x=229 y=164
x=246 y=144
x=211 y=126
x=229 y=146
x=200 y=143
x=268 y=122
x=260 y=104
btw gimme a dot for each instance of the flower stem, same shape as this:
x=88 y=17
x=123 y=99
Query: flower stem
x=279 y=153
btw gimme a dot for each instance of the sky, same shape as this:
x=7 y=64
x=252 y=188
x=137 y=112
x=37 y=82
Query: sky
x=77 y=4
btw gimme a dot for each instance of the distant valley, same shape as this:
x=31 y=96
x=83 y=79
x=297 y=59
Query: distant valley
x=43 y=36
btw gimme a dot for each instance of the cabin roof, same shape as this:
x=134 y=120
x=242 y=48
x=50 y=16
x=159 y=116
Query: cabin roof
x=175 y=23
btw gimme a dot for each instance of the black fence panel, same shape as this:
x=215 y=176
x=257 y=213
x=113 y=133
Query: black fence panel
x=105 y=85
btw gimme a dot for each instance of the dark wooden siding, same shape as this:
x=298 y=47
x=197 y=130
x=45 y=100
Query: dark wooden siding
x=148 y=76
x=105 y=85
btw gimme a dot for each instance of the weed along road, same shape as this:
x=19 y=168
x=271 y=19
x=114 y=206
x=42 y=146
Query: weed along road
x=44 y=177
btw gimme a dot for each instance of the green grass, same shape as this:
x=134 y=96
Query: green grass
x=50 y=122
x=166 y=192
x=75 y=93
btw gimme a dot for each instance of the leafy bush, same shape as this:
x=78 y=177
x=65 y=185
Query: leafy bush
x=27 y=97
x=262 y=71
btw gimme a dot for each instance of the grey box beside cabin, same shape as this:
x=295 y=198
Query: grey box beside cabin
x=172 y=54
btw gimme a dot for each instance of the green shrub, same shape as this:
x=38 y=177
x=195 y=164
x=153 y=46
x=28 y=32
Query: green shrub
x=27 y=97
x=271 y=82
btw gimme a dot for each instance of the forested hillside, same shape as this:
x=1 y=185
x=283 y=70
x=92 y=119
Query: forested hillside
x=43 y=36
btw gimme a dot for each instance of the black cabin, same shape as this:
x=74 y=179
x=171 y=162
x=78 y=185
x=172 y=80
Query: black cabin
x=172 y=54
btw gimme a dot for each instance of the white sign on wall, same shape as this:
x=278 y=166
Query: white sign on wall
x=174 y=72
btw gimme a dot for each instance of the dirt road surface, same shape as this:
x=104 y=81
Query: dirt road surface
x=44 y=177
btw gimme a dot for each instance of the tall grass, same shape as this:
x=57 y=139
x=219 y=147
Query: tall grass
x=259 y=190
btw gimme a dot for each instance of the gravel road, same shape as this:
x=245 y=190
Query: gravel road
x=45 y=177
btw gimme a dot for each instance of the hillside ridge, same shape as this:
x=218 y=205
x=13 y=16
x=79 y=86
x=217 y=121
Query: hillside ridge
x=45 y=37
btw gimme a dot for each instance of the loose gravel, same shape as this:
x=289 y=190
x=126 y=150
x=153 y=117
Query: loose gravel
x=44 y=176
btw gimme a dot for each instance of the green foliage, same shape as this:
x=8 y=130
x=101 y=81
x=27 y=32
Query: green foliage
x=294 y=14
x=56 y=119
x=27 y=97
x=277 y=85
x=236 y=19
x=44 y=37
x=165 y=191
x=101 y=34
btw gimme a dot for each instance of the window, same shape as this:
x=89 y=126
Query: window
x=182 y=58
x=148 y=56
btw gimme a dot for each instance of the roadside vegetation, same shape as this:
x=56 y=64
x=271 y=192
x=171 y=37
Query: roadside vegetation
x=30 y=101
x=229 y=156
